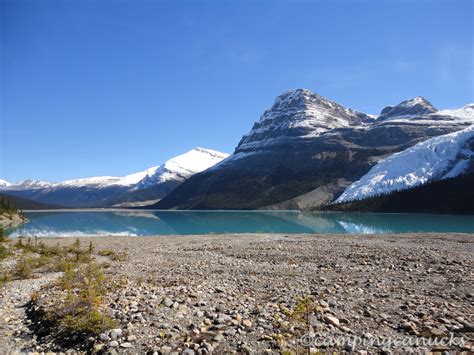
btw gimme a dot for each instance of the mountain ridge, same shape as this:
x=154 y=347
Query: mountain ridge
x=303 y=151
x=103 y=191
x=297 y=146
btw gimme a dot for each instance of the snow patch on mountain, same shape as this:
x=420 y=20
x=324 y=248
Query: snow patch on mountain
x=178 y=168
x=4 y=183
x=434 y=159
x=104 y=181
x=182 y=167
x=466 y=112
x=29 y=185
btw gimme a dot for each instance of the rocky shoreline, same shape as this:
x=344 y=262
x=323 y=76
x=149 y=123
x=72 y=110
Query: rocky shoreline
x=11 y=219
x=271 y=293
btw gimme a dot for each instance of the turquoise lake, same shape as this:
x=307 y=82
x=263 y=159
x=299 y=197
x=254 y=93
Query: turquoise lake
x=144 y=223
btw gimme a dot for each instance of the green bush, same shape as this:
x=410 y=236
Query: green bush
x=84 y=288
x=4 y=252
x=25 y=267
x=92 y=322
x=113 y=255
x=3 y=238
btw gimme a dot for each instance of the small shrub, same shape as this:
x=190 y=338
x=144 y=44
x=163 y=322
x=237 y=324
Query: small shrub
x=42 y=261
x=4 y=252
x=27 y=247
x=119 y=257
x=92 y=322
x=58 y=264
x=105 y=252
x=300 y=314
x=51 y=251
x=19 y=243
x=35 y=296
x=114 y=256
x=90 y=250
x=25 y=267
x=3 y=238
x=4 y=278
x=84 y=286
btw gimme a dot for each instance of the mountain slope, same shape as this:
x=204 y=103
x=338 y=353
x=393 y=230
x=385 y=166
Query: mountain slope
x=304 y=143
x=23 y=204
x=434 y=159
x=466 y=112
x=172 y=173
x=104 y=191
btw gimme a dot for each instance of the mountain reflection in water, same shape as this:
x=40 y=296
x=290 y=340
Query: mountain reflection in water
x=143 y=223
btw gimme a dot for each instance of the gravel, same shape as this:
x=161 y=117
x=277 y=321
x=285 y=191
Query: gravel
x=241 y=293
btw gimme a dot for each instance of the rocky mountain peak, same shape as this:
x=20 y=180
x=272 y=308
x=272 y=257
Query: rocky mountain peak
x=416 y=106
x=298 y=98
x=299 y=114
x=33 y=184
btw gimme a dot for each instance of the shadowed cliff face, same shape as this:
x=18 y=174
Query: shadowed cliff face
x=306 y=142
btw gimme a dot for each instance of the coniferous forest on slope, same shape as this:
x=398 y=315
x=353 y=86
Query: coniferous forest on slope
x=450 y=196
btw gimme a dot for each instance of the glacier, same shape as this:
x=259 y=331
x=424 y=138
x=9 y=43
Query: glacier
x=437 y=158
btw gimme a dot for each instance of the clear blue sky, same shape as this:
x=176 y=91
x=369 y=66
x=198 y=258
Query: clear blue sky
x=109 y=87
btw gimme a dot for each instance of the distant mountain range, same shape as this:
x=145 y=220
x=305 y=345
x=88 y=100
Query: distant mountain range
x=305 y=152
x=107 y=191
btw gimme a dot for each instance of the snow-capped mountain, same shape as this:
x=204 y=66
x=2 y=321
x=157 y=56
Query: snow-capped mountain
x=306 y=147
x=297 y=114
x=104 y=181
x=419 y=111
x=4 y=183
x=303 y=152
x=151 y=184
x=29 y=185
x=413 y=107
x=181 y=167
x=161 y=180
x=435 y=159
x=97 y=181
x=466 y=112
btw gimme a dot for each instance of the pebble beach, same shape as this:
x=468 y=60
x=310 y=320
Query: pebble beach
x=243 y=293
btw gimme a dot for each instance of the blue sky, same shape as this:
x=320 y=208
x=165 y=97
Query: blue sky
x=113 y=87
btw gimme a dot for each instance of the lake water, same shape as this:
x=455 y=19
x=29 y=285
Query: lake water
x=143 y=223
